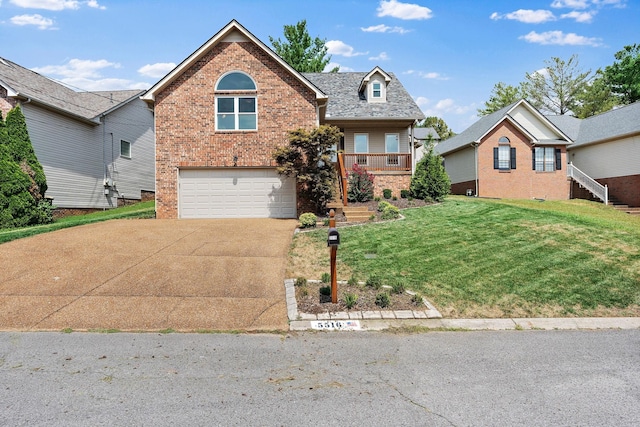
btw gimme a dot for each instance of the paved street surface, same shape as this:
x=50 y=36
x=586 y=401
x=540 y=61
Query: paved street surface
x=501 y=378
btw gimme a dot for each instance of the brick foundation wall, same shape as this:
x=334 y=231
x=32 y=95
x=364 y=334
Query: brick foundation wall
x=394 y=181
x=521 y=182
x=625 y=189
x=460 y=188
x=185 y=118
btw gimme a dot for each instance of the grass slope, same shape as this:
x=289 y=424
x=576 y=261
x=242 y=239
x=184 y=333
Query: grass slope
x=138 y=210
x=491 y=258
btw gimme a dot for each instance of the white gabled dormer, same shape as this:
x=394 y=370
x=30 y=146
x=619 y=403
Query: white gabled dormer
x=373 y=86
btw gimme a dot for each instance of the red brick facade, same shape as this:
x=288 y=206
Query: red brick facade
x=625 y=189
x=522 y=182
x=185 y=118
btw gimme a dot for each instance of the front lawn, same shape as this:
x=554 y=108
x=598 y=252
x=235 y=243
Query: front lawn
x=495 y=258
x=138 y=210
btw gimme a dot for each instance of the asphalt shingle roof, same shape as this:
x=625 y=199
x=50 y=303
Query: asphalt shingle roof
x=87 y=105
x=345 y=102
x=614 y=123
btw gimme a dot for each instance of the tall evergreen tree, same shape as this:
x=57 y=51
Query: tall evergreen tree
x=299 y=50
x=502 y=95
x=439 y=125
x=21 y=150
x=430 y=180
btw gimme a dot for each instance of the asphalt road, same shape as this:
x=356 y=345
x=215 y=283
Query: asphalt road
x=507 y=378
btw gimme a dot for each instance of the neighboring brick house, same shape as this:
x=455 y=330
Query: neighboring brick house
x=96 y=148
x=517 y=152
x=514 y=152
x=223 y=111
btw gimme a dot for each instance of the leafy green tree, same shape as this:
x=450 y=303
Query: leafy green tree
x=502 y=95
x=624 y=74
x=556 y=88
x=595 y=99
x=303 y=53
x=308 y=158
x=439 y=125
x=430 y=181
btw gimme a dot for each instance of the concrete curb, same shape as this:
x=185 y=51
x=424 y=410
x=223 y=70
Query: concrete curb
x=381 y=320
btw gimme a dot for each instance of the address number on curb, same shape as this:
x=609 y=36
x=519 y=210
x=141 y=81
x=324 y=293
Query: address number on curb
x=336 y=325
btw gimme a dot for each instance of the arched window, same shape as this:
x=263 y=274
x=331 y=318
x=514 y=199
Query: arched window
x=504 y=155
x=236 y=102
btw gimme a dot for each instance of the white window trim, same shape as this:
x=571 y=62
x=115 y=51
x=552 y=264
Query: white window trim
x=130 y=147
x=503 y=148
x=236 y=112
x=236 y=95
x=544 y=159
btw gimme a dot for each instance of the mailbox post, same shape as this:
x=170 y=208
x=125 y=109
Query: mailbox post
x=333 y=241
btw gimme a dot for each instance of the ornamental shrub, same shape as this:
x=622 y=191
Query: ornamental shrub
x=360 y=185
x=308 y=220
x=430 y=180
x=382 y=205
x=386 y=193
x=390 y=212
x=383 y=300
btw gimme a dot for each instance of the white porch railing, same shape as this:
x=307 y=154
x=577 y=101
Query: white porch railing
x=597 y=189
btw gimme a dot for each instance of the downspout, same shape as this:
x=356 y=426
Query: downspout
x=103 y=119
x=475 y=155
x=412 y=141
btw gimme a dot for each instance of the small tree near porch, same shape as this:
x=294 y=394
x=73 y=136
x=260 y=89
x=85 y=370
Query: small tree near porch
x=430 y=181
x=308 y=158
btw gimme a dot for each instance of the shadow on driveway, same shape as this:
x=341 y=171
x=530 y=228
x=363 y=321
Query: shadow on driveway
x=141 y=275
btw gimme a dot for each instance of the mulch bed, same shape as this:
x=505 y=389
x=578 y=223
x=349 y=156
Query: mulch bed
x=373 y=208
x=310 y=301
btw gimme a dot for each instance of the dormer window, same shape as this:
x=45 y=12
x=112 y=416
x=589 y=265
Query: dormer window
x=373 y=86
x=377 y=90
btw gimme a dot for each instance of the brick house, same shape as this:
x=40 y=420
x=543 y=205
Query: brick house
x=517 y=152
x=221 y=113
x=514 y=152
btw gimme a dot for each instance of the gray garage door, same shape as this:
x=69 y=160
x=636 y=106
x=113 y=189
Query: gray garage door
x=235 y=193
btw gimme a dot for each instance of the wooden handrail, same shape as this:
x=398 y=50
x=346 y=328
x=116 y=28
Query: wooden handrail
x=343 y=178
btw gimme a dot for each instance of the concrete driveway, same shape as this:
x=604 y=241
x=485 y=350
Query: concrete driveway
x=140 y=275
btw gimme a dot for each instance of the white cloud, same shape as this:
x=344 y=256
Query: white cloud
x=407 y=11
x=156 y=70
x=77 y=68
x=527 y=16
x=103 y=84
x=47 y=4
x=570 y=4
x=38 y=20
x=56 y=4
x=582 y=17
x=422 y=101
x=384 y=29
x=444 y=106
x=337 y=47
x=382 y=57
x=560 y=38
x=330 y=66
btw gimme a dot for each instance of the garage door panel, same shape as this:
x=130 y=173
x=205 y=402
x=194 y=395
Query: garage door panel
x=236 y=193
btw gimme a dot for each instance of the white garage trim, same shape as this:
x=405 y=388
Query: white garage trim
x=235 y=193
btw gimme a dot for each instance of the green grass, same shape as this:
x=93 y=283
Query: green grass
x=497 y=258
x=139 y=210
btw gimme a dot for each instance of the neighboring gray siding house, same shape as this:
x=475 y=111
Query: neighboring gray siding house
x=95 y=147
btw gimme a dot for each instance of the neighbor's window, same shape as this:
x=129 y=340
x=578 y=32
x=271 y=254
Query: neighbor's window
x=547 y=159
x=504 y=156
x=361 y=145
x=234 y=110
x=125 y=149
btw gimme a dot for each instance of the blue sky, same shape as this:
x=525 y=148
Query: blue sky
x=448 y=54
